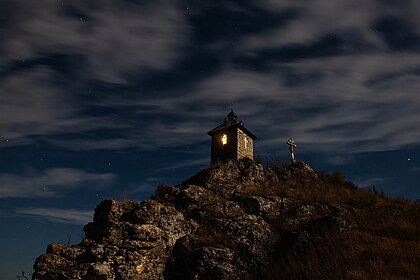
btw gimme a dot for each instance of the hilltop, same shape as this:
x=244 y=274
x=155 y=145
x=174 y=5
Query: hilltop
x=239 y=220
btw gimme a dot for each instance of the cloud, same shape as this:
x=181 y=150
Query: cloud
x=51 y=56
x=415 y=170
x=322 y=73
x=114 y=38
x=186 y=163
x=339 y=111
x=320 y=17
x=316 y=19
x=369 y=182
x=397 y=34
x=30 y=105
x=51 y=183
x=342 y=109
x=57 y=215
x=96 y=144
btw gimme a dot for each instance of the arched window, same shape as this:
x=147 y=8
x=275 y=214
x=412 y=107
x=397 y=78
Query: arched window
x=224 y=139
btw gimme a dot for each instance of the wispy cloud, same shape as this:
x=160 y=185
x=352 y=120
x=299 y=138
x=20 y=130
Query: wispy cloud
x=113 y=38
x=187 y=163
x=415 y=170
x=46 y=110
x=327 y=76
x=51 y=55
x=369 y=182
x=57 y=215
x=50 y=183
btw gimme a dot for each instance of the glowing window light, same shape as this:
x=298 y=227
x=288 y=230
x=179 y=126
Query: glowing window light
x=224 y=139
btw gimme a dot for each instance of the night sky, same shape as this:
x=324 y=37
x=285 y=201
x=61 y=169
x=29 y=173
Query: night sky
x=105 y=99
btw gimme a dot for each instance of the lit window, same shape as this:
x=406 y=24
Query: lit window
x=224 y=139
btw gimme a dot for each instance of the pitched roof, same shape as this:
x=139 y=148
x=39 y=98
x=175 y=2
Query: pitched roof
x=231 y=121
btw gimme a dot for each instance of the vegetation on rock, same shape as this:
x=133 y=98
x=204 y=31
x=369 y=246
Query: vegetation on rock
x=238 y=220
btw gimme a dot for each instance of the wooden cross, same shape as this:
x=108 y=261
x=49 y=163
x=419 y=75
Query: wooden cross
x=246 y=141
x=292 y=147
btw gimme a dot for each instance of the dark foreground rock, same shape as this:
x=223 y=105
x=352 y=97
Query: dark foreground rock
x=226 y=222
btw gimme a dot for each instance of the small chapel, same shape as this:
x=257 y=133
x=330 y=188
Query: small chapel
x=231 y=140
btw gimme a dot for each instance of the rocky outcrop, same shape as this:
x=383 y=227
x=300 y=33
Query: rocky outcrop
x=222 y=223
x=124 y=241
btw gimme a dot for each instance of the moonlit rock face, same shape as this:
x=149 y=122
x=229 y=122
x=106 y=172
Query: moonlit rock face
x=236 y=220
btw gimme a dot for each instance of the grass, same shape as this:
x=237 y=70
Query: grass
x=383 y=243
x=352 y=255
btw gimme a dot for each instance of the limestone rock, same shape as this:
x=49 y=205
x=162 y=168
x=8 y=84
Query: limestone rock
x=190 y=260
x=218 y=224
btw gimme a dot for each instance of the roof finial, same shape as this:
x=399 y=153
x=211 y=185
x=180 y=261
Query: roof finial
x=231 y=117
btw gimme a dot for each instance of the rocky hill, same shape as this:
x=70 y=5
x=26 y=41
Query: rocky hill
x=238 y=220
